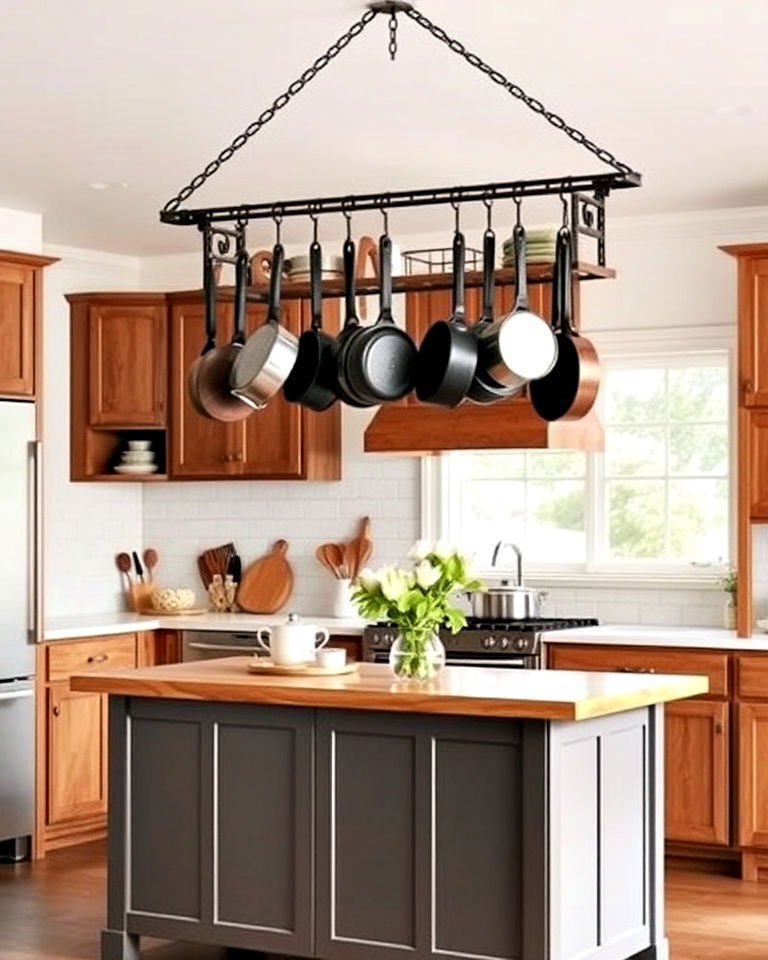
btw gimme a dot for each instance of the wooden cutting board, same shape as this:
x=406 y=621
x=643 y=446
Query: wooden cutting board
x=268 y=582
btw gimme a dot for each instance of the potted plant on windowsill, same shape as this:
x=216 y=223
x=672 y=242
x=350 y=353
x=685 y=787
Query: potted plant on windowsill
x=728 y=581
x=418 y=602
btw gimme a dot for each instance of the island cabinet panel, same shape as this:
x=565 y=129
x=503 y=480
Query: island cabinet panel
x=420 y=839
x=602 y=837
x=220 y=825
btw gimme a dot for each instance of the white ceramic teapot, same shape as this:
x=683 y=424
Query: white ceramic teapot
x=292 y=642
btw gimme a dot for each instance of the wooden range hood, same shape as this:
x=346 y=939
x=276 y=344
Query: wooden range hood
x=422 y=429
x=410 y=427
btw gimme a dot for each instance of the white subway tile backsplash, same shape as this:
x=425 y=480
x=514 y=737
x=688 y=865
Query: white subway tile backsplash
x=661 y=614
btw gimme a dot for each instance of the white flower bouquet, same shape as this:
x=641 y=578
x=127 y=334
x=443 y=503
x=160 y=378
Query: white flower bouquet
x=419 y=602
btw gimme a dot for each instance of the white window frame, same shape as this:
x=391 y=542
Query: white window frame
x=439 y=483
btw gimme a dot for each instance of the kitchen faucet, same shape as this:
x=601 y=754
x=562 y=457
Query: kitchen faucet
x=508 y=543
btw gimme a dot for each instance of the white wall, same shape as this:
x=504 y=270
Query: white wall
x=21 y=230
x=86 y=524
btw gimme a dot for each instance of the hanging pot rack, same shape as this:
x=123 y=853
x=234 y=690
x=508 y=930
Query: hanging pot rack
x=224 y=227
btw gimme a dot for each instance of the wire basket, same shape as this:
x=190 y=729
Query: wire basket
x=439 y=260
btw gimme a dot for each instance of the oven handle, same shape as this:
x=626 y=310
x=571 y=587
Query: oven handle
x=232 y=647
x=461 y=662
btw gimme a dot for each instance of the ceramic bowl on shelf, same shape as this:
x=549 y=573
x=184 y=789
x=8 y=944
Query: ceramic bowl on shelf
x=136 y=469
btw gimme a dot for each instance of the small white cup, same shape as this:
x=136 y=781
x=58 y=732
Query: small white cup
x=138 y=456
x=332 y=658
x=139 y=444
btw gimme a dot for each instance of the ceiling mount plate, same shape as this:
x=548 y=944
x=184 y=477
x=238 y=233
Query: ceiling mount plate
x=389 y=6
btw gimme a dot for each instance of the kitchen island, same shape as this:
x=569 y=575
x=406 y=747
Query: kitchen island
x=493 y=814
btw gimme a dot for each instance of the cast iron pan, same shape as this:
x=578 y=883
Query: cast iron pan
x=380 y=361
x=448 y=353
x=569 y=390
x=210 y=339
x=213 y=390
x=311 y=381
x=349 y=330
x=483 y=389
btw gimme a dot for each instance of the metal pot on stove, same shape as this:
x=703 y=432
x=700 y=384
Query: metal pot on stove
x=506 y=601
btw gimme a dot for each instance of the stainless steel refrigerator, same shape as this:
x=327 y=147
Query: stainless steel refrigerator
x=19 y=622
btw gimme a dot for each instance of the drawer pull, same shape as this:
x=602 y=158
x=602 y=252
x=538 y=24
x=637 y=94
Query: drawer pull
x=636 y=670
x=98 y=658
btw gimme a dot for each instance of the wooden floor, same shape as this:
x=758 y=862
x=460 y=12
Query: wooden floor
x=54 y=910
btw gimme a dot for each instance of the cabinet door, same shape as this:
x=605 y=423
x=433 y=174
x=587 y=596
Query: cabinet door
x=77 y=754
x=271 y=438
x=199 y=447
x=753 y=331
x=220 y=843
x=753 y=774
x=697 y=782
x=17 y=329
x=127 y=365
x=757 y=460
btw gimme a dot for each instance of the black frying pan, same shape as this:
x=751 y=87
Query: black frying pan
x=380 y=361
x=349 y=330
x=310 y=382
x=483 y=388
x=448 y=353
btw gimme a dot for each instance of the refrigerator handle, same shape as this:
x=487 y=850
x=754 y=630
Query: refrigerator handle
x=36 y=547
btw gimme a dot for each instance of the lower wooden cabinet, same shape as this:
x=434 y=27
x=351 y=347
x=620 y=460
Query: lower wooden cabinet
x=753 y=774
x=72 y=732
x=76 y=764
x=697 y=771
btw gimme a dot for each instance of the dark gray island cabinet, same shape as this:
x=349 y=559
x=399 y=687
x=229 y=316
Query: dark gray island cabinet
x=320 y=822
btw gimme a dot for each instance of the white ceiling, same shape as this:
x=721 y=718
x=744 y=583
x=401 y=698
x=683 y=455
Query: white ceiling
x=146 y=93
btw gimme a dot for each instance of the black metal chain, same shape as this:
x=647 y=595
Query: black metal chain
x=516 y=91
x=253 y=128
x=392 y=46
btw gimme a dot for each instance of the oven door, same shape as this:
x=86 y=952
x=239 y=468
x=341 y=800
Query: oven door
x=212 y=645
x=498 y=662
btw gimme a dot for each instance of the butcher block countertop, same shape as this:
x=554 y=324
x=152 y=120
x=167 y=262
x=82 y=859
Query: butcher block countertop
x=467 y=691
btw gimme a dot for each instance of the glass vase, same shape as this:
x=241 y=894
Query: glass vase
x=417 y=657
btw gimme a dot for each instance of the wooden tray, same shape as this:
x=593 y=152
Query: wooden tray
x=193 y=612
x=265 y=667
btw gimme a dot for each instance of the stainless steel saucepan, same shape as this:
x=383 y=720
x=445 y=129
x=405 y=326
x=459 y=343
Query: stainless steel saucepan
x=506 y=601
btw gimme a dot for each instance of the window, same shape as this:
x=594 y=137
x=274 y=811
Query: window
x=657 y=498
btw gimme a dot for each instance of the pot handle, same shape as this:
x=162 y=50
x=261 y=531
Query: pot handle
x=261 y=634
x=322 y=636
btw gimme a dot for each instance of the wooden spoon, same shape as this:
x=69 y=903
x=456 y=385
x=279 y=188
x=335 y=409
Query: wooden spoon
x=125 y=565
x=360 y=548
x=151 y=558
x=322 y=558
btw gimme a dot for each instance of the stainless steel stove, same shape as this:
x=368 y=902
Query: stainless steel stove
x=482 y=643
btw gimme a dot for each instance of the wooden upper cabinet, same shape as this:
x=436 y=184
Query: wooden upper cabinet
x=756 y=425
x=127 y=362
x=20 y=306
x=199 y=447
x=753 y=331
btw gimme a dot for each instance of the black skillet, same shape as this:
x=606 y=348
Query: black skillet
x=380 y=360
x=448 y=353
x=310 y=381
x=351 y=325
x=484 y=388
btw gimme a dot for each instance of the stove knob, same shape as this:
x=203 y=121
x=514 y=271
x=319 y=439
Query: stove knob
x=489 y=642
x=520 y=643
x=504 y=643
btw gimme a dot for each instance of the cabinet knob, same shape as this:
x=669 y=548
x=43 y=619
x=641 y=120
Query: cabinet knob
x=718 y=727
x=748 y=388
x=238 y=458
x=57 y=710
x=227 y=458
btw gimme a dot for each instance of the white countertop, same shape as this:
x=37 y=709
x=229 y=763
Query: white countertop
x=695 y=638
x=97 y=625
x=94 y=625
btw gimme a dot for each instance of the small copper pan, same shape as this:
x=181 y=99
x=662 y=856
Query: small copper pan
x=214 y=367
x=569 y=390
